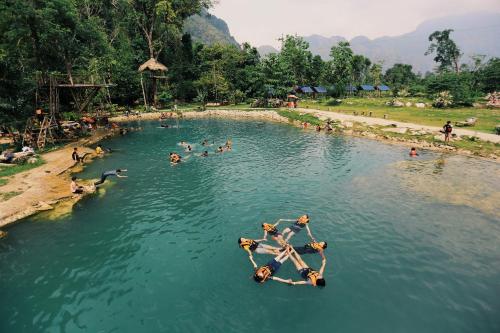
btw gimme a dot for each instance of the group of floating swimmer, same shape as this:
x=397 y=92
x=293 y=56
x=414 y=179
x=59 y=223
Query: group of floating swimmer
x=176 y=158
x=286 y=251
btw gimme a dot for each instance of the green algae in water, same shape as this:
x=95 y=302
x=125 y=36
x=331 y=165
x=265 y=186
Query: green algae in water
x=158 y=252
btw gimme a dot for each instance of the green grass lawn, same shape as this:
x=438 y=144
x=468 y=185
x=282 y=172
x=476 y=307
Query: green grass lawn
x=488 y=119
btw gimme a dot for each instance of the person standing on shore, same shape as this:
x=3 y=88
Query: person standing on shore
x=447 y=131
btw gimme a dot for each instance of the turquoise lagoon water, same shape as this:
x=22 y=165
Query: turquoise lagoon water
x=413 y=244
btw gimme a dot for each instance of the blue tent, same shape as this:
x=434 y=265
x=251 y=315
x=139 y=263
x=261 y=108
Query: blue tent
x=351 y=88
x=382 y=88
x=305 y=90
x=366 y=87
x=320 y=90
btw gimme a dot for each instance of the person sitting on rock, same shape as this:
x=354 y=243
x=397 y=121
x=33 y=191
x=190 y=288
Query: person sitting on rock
x=75 y=188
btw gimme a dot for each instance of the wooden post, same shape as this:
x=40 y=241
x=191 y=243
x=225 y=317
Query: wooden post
x=144 y=94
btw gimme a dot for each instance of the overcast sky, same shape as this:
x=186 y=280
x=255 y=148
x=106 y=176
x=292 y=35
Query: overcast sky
x=261 y=22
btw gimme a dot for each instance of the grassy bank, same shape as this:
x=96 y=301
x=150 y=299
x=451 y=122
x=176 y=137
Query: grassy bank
x=488 y=119
x=468 y=144
x=8 y=171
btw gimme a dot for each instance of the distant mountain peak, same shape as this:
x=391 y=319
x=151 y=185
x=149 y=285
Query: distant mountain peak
x=475 y=33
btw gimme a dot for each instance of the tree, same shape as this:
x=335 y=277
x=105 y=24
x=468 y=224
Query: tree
x=400 y=76
x=376 y=74
x=447 y=52
x=157 y=18
x=340 y=69
x=490 y=76
x=297 y=58
x=459 y=85
x=276 y=76
x=360 y=69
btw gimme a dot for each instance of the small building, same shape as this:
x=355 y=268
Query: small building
x=382 y=88
x=320 y=90
x=366 y=87
x=351 y=89
x=305 y=90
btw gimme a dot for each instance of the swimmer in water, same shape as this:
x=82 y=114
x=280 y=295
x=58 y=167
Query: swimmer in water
x=265 y=273
x=300 y=223
x=175 y=158
x=106 y=174
x=310 y=276
x=311 y=248
x=413 y=152
x=205 y=143
x=165 y=125
x=271 y=229
x=204 y=154
x=251 y=246
x=189 y=149
x=219 y=150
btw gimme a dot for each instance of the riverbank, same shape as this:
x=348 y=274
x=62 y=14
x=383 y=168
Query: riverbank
x=45 y=187
x=465 y=142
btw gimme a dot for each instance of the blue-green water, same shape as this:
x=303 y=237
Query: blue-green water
x=413 y=244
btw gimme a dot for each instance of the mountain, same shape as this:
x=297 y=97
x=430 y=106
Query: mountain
x=475 y=33
x=209 y=29
x=265 y=50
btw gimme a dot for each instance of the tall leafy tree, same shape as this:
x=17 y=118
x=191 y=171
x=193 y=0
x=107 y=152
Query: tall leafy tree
x=360 y=69
x=400 y=76
x=447 y=52
x=157 y=19
x=341 y=65
x=297 y=58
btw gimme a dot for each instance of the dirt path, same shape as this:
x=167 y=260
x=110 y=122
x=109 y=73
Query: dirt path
x=387 y=122
x=42 y=187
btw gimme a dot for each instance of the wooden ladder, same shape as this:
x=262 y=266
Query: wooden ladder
x=45 y=132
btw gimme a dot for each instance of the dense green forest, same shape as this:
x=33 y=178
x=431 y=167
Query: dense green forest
x=107 y=40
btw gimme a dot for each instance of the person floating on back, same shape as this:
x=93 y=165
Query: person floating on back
x=300 y=223
x=251 y=246
x=311 y=248
x=265 y=273
x=76 y=157
x=447 y=128
x=310 y=276
x=106 y=174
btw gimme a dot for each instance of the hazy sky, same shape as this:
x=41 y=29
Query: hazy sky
x=262 y=22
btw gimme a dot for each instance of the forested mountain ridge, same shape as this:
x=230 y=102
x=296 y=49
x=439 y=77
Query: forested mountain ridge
x=208 y=29
x=475 y=33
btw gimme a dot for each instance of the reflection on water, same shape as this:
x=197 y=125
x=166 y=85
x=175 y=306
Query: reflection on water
x=453 y=179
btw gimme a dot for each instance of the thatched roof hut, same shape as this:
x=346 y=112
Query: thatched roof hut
x=153 y=65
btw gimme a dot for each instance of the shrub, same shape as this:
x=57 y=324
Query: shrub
x=334 y=102
x=443 y=100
